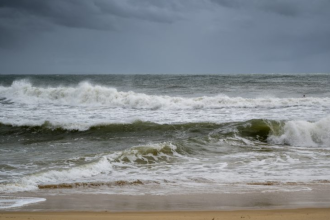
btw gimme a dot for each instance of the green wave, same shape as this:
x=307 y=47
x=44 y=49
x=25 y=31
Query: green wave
x=106 y=129
x=257 y=129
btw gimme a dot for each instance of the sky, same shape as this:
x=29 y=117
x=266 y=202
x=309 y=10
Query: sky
x=164 y=36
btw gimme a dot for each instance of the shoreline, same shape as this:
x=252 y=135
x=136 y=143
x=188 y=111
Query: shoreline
x=64 y=201
x=283 y=214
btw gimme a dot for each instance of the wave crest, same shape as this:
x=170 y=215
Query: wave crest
x=149 y=153
x=86 y=93
x=87 y=171
x=295 y=133
x=303 y=133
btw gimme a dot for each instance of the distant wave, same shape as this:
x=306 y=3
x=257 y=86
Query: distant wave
x=86 y=93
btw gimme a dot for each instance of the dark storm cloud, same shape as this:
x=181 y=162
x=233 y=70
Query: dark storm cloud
x=281 y=7
x=22 y=19
x=173 y=36
x=70 y=13
x=86 y=13
x=41 y=15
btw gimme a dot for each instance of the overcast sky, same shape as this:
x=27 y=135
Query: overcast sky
x=164 y=36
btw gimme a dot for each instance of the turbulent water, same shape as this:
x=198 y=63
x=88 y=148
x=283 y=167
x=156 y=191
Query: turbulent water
x=162 y=134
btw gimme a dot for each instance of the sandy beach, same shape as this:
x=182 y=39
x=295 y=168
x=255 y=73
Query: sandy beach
x=267 y=205
x=301 y=214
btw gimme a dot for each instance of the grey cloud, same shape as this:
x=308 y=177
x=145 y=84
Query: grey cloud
x=173 y=36
x=286 y=29
x=295 y=7
x=8 y=38
x=280 y=7
x=229 y=3
x=90 y=13
x=71 y=13
x=145 y=10
x=45 y=15
x=22 y=20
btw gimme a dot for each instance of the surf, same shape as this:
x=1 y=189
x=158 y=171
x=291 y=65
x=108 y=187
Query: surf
x=88 y=94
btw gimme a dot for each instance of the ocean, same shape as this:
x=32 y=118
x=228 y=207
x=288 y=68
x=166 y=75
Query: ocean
x=162 y=134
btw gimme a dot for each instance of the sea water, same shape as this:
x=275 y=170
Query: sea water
x=162 y=134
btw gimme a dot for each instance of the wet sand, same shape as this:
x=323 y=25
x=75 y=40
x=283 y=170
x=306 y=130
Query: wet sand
x=296 y=214
x=65 y=200
x=267 y=205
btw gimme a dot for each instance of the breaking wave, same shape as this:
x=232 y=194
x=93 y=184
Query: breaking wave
x=126 y=167
x=85 y=175
x=295 y=133
x=303 y=133
x=31 y=182
x=149 y=154
x=86 y=93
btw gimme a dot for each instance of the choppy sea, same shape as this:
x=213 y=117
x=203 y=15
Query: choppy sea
x=162 y=134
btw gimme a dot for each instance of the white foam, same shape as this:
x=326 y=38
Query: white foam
x=7 y=202
x=144 y=152
x=304 y=133
x=85 y=105
x=75 y=174
x=86 y=94
x=118 y=166
x=186 y=173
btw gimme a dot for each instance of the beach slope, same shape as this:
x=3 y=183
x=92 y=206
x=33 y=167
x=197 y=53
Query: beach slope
x=283 y=214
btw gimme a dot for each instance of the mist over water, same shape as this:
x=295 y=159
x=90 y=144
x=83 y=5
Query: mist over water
x=161 y=134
